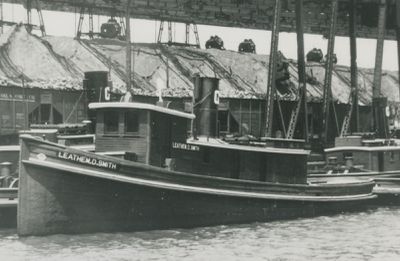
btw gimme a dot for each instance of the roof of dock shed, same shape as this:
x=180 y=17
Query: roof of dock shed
x=54 y=62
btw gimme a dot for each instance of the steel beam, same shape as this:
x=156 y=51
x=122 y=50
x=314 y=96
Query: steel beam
x=271 y=88
x=80 y=22
x=301 y=70
x=327 y=93
x=128 y=47
x=90 y=23
x=353 y=65
x=398 y=35
x=1 y=16
x=187 y=31
x=351 y=119
x=29 y=15
x=376 y=91
x=301 y=63
x=169 y=32
x=379 y=103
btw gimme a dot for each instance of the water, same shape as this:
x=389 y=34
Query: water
x=371 y=235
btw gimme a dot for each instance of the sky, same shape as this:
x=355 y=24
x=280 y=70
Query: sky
x=145 y=31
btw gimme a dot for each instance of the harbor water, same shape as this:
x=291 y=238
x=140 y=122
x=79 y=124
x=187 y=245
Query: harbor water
x=369 y=235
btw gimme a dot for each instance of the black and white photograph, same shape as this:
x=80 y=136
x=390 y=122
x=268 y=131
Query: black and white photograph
x=199 y=130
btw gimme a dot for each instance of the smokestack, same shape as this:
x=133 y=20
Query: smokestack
x=206 y=100
x=96 y=86
x=97 y=89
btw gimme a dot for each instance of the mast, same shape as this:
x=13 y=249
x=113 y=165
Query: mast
x=271 y=88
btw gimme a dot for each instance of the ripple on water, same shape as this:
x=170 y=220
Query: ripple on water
x=371 y=235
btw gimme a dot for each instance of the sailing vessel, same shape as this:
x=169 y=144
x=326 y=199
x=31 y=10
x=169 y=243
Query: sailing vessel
x=164 y=180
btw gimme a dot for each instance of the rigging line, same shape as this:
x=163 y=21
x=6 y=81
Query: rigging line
x=202 y=100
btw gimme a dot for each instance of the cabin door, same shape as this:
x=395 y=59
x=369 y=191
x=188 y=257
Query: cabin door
x=161 y=140
x=166 y=141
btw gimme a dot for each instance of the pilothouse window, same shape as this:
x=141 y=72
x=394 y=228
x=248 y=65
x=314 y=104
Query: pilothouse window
x=131 y=122
x=111 y=119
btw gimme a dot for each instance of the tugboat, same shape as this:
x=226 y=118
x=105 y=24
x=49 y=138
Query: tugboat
x=355 y=157
x=164 y=180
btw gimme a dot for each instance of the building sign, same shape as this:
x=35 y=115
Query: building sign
x=185 y=146
x=87 y=160
x=46 y=98
x=17 y=97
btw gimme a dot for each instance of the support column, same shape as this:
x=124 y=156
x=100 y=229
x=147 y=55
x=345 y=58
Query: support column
x=327 y=94
x=187 y=31
x=376 y=91
x=353 y=66
x=169 y=32
x=160 y=31
x=29 y=15
x=90 y=23
x=379 y=103
x=271 y=91
x=80 y=22
x=1 y=16
x=398 y=35
x=301 y=66
x=128 y=47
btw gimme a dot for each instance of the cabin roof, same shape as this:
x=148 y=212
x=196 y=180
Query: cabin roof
x=140 y=106
x=363 y=148
x=218 y=143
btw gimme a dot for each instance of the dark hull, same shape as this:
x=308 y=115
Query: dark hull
x=387 y=186
x=61 y=197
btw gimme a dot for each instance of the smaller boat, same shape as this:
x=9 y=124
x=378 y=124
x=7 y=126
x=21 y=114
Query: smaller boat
x=9 y=157
x=8 y=207
x=10 y=153
x=356 y=158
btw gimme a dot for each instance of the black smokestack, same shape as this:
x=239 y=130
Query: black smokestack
x=96 y=86
x=206 y=99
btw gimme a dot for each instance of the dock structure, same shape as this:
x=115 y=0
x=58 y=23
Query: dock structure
x=352 y=18
x=245 y=14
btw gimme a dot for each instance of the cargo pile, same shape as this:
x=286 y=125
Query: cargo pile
x=59 y=63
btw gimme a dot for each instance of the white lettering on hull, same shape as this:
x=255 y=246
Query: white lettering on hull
x=87 y=160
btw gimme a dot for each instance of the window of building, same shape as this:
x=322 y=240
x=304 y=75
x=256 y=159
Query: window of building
x=111 y=119
x=131 y=122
